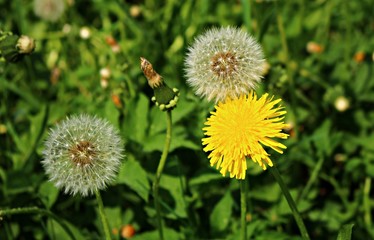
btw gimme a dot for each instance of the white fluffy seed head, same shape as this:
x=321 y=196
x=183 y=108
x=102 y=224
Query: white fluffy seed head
x=50 y=10
x=82 y=154
x=224 y=62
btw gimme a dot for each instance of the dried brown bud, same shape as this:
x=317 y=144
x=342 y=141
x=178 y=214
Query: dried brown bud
x=154 y=79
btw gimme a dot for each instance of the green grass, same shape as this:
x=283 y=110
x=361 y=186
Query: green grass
x=328 y=165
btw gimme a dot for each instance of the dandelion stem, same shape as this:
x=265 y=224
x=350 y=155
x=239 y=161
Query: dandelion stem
x=247 y=13
x=366 y=203
x=160 y=168
x=103 y=217
x=31 y=210
x=291 y=203
x=243 y=205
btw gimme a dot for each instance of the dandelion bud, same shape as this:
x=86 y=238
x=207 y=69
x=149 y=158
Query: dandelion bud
x=266 y=68
x=55 y=75
x=13 y=47
x=116 y=48
x=25 y=45
x=105 y=73
x=127 y=231
x=165 y=97
x=3 y=129
x=341 y=104
x=116 y=100
x=85 y=33
x=359 y=56
x=135 y=11
x=104 y=83
x=224 y=62
x=66 y=29
x=313 y=47
x=110 y=41
x=82 y=154
x=154 y=79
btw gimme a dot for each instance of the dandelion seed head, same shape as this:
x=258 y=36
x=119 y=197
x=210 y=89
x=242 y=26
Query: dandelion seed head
x=50 y=10
x=82 y=154
x=224 y=62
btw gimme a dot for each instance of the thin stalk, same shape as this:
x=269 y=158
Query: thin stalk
x=366 y=203
x=287 y=61
x=31 y=210
x=338 y=189
x=291 y=203
x=312 y=179
x=103 y=218
x=247 y=13
x=160 y=168
x=243 y=206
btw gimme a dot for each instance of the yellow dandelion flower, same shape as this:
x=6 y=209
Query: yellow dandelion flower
x=239 y=128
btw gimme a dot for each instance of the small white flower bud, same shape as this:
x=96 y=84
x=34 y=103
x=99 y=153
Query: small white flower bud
x=105 y=73
x=341 y=104
x=25 y=45
x=85 y=33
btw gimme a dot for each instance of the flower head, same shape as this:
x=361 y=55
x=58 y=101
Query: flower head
x=50 y=10
x=341 y=104
x=82 y=154
x=239 y=128
x=13 y=48
x=25 y=44
x=165 y=98
x=224 y=62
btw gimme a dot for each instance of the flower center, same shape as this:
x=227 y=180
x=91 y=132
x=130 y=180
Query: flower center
x=82 y=153
x=224 y=64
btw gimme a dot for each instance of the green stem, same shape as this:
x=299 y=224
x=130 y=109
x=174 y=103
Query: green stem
x=160 y=168
x=313 y=178
x=243 y=205
x=366 y=203
x=291 y=203
x=338 y=189
x=31 y=210
x=287 y=61
x=103 y=217
x=247 y=13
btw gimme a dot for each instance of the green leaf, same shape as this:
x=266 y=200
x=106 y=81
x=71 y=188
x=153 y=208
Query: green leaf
x=133 y=175
x=178 y=140
x=321 y=138
x=136 y=121
x=313 y=19
x=111 y=113
x=114 y=217
x=269 y=193
x=361 y=79
x=220 y=217
x=345 y=232
x=48 y=194
x=205 y=178
x=27 y=142
x=59 y=233
x=173 y=185
x=154 y=235
x=294 y=27
x=184 y=111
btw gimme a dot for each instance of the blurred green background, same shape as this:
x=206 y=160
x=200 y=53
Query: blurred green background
x=320 y=59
